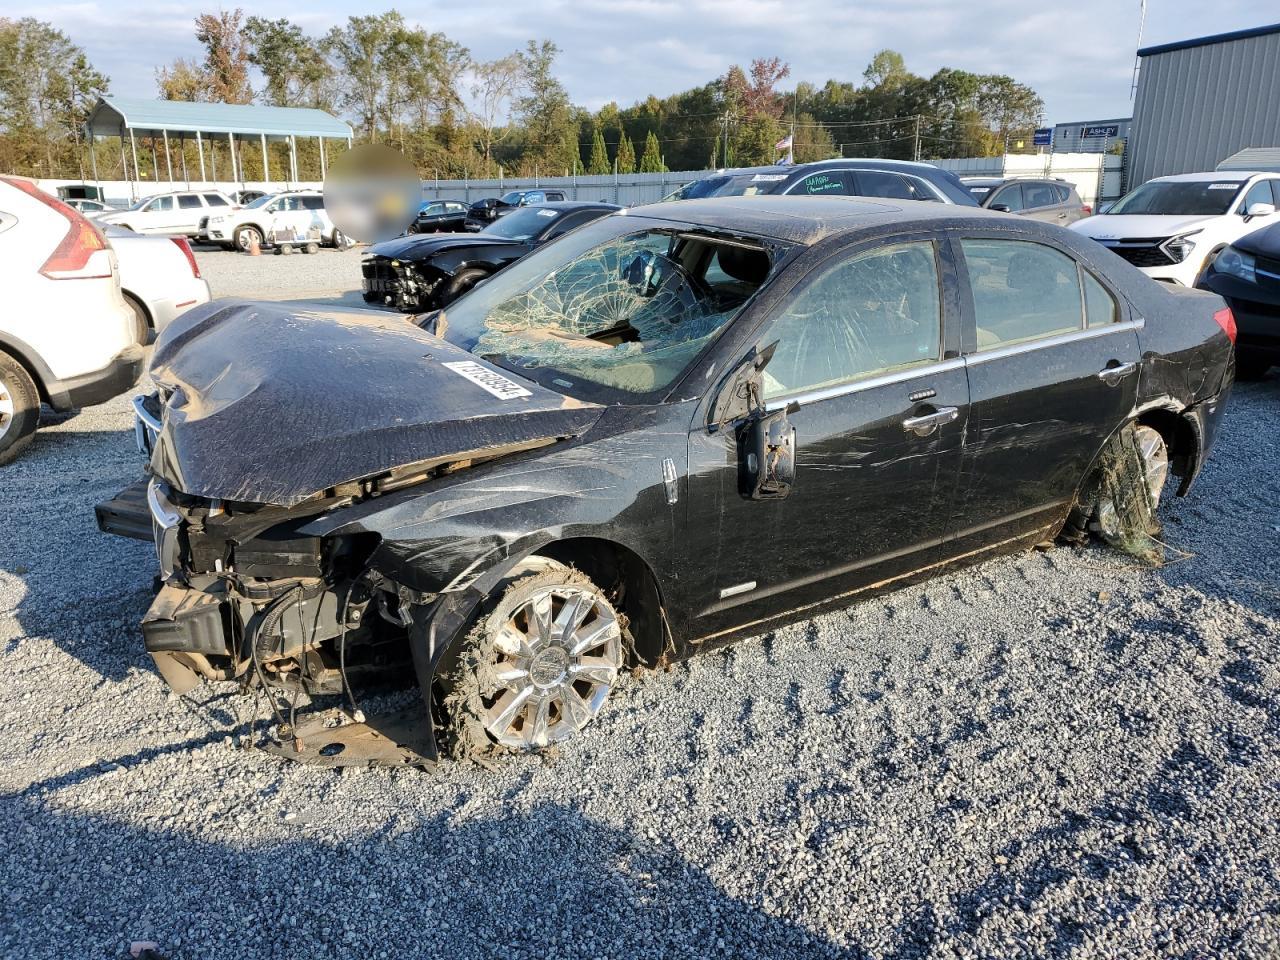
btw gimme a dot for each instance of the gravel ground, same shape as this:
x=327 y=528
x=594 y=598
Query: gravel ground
x=1057 y=753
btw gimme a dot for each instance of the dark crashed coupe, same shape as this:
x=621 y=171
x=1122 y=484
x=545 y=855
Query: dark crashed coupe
x=671 y=428
x=417 y=273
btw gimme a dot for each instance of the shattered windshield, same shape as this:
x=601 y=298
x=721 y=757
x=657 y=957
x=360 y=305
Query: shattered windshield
x=522 y=224
x=1180 y=197
x=623 y=304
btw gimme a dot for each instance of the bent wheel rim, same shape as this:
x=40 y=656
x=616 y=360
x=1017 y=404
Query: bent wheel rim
x=553 y=662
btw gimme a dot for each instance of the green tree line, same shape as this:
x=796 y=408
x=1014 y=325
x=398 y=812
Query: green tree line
x=454 y=115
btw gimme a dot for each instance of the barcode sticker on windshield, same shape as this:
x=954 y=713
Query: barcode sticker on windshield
x=487 y=379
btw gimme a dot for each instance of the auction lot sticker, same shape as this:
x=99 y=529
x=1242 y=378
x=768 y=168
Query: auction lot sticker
x=482 y=377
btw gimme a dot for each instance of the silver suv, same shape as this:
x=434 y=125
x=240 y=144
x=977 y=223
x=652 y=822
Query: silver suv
x=1053 y=201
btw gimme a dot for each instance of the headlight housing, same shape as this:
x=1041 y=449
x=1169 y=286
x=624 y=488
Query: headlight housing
x=1179 y=248
x=1236 y=263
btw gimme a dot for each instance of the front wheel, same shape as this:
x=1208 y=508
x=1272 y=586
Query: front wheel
x=464 y=281
x=246 y=237
x=19 y=408
x=538 y=667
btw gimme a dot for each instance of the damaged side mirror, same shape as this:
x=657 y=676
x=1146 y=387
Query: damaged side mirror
x=767 y=454
x=766 y=440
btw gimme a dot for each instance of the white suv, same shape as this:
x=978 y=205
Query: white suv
x=295 y=213
x=1172 y=228
x=170 y=213
x=67 y=337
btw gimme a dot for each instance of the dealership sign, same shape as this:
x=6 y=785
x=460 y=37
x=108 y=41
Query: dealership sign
x=1103 y=130
x=1043 y=137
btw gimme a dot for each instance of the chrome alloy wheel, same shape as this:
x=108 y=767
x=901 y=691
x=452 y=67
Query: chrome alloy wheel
x=556 y=656
x=1155 y=462
x=7 y=406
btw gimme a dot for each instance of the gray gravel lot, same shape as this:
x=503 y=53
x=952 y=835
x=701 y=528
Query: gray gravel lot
x=1058 y=753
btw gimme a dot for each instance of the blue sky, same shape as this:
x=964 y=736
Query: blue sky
x=1077 y=55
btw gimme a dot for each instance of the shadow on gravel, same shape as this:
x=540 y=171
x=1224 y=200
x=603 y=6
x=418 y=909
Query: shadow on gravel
x=546 y=881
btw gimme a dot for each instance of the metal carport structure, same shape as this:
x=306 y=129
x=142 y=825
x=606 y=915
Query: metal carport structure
x=130 y=118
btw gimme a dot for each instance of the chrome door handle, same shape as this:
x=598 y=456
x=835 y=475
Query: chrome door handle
x=926 y=423
x=1113 y=375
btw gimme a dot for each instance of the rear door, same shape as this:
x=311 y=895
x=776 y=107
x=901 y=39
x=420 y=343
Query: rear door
x=1052 y=358
x=863 y=347
x=1041 y=201
x=824 y=183
x=190 y=208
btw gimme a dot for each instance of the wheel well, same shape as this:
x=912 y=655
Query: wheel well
x=1179 y=438
x=28 y=366
x=627 y=581
x=136 y=302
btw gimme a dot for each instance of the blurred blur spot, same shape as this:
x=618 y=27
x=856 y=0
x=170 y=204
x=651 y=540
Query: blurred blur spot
x=372 y=193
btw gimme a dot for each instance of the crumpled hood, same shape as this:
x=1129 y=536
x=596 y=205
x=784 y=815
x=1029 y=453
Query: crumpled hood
x=1137 y=225
x=271 y=405
x=424 y=245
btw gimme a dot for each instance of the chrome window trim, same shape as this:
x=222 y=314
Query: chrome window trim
x=1013 y=349
x=805 y=397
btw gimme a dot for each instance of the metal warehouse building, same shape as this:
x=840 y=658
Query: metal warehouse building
x=1201 y=101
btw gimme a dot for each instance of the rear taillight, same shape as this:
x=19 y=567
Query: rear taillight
x=1086 y=210
x=185 y=247
x=1227 y=321
x=74 y=258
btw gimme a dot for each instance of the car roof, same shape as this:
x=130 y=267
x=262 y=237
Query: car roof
x=1219 y=176
x=574 y=205
x=874 y=163
x=802 y=219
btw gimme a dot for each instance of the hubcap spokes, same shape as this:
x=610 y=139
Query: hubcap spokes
x=556 y=658
x=6 y=408
x=1155 y=462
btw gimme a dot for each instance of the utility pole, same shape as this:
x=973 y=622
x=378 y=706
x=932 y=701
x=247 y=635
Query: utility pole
x=916 y=153
x=726 y=138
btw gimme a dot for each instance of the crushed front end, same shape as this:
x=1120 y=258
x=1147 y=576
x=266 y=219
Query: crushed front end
x=243 y=595
x=406 y=285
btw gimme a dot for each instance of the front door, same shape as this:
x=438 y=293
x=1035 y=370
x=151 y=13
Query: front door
x=860 y=345
x=1053 y=371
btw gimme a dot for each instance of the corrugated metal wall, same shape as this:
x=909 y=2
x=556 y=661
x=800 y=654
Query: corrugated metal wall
x=1197 y=106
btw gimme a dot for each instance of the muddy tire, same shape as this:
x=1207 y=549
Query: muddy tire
x=537 y=666
x=460 y=284
x=1122 y=498
x=19 y=409
x=244 y=237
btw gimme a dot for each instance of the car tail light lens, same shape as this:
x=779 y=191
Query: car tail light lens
x=1086 y=210
x=82 y=253
x=185 y=247
x=1227 y=321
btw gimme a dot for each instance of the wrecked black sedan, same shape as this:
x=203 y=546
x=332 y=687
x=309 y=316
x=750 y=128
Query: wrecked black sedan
x=416 y=273
x=664 y=431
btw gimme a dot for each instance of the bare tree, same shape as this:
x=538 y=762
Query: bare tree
x=495 y=86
